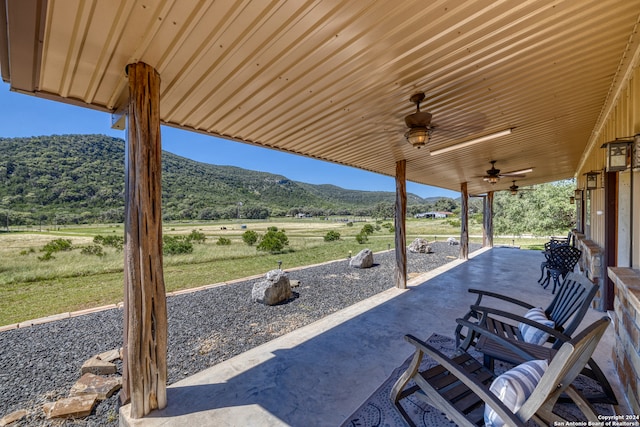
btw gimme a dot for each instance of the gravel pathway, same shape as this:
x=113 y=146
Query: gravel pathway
x=40 y=364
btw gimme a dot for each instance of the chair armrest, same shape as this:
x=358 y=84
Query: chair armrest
x=485 y=311
x=472 y=383
x=507 y=343
x=481 y=293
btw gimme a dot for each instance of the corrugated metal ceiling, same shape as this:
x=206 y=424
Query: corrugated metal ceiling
x=332 y=79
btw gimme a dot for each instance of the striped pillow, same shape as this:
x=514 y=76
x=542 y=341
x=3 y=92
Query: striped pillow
x=531 y=334
x=513 y=388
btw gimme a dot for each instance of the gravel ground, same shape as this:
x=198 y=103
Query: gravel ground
x=39 y=364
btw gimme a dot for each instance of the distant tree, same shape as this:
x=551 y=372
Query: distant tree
x=223 y=241
x=445 y=204
x=196 y=236
x=361 y=238
x=175 y=245
x=273 y=241
x=331 y=236
x=367 y=229
x=250 y=237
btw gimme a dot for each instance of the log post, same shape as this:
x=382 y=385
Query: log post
x=145 y=311
x=488 y=220
x=400 y=225
x=464 y=222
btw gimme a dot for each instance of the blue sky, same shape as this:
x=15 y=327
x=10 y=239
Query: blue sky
x=23 y=115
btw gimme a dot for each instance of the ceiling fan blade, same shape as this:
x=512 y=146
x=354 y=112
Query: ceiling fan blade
x=511 y=175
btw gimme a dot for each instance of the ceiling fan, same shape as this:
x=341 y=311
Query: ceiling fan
x=493 y=175
x=421 y=129
x=514 y=189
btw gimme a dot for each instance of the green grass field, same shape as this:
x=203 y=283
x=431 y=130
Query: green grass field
x=32 y=288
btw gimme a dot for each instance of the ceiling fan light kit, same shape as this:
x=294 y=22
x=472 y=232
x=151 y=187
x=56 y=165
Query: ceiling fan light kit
x=419 y=123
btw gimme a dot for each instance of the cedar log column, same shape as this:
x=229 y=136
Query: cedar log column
x=400 y=225
x=488 y=220
x=464 y=222
x=145 y=310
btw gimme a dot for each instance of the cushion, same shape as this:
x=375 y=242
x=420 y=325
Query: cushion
x=513 y=388
x=531 y=334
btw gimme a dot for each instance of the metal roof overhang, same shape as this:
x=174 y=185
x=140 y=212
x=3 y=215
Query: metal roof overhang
x=332 y=79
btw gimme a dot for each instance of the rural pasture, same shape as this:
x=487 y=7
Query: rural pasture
x=34 y=284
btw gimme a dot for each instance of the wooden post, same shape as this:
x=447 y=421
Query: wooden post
x=488 y=219
x=145 y=310
x=401 y=224
x=464 y=222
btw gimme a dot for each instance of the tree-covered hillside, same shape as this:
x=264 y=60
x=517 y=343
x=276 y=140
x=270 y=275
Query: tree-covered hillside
x=80 y=178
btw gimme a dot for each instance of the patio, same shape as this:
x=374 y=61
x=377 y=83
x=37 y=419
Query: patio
x=320 y=374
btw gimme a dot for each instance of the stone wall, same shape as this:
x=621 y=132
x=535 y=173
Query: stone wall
x=592 y=266
x=626 y=353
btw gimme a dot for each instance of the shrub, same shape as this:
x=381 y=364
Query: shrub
x=362 y=238
x=92 y=250
x=273 y=241
x=367 y=229
x=454 y=222
x=174 y=245
x=223 y=241
x=57 y=246
x=116 y=242
x=250 y=237
x=46 y=257
x=331 y=236
x=350 y=224
x=196 y=236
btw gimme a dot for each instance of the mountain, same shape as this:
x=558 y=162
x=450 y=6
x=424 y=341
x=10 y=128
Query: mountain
x=80 y=178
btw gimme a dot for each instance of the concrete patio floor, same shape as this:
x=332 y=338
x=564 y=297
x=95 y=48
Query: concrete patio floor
x=320 y=374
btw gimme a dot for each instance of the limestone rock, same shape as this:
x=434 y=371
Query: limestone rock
x=13 y=417
x=98 y=367
x=452 y=241
x=420 y=246
x=364 y=259
x=110 y=356
x=103 y=387
x=275 y=288
x=294 y=283
x=71 y=407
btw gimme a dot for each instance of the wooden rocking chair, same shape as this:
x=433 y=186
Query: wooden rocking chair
x=459 y=387
x=566 y=310
x=505 y=348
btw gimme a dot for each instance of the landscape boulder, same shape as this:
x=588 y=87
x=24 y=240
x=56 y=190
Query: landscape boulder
x=420 y=246
x=274 y=289
x=452 y=241
x=364 y=259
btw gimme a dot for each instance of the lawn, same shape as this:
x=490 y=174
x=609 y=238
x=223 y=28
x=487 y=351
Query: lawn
x=32 y=286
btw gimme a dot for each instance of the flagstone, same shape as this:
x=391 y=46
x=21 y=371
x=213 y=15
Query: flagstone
x=13 y=417
x=98 y=367
x=71 y=407
x=109 y=356
x=103 y=387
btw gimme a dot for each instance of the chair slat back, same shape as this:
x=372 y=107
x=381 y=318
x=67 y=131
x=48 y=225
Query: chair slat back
x=572 y=302
x=564 y=368
x=564 y=257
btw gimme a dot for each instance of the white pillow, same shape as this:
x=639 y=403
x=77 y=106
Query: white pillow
x=531 y=334
x=513 y=388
